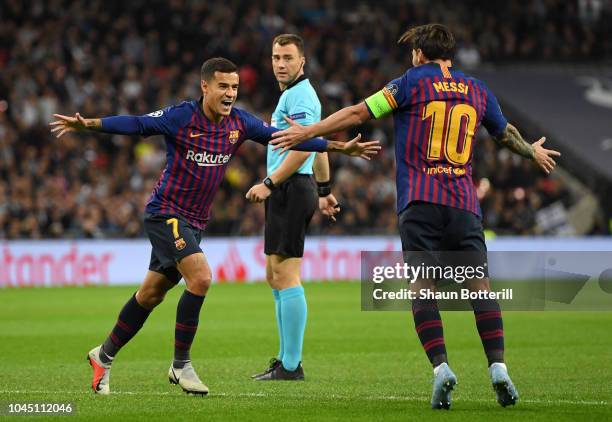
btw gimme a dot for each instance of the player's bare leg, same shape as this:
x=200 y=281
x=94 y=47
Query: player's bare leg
x=491 y=330
x=198 y=277
x=292 y=312
x=153 y=290
x=131 y=318
x=429 y=328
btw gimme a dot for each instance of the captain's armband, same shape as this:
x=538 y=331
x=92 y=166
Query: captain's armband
x=381 y=103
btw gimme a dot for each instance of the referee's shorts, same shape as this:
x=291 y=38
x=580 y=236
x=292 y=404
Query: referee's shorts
x=289 y=210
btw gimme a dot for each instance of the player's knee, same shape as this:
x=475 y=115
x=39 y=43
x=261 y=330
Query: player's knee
x=479 y=285
x=150 y=298
x=284 y=279
x=277 y=275
x=200 y=283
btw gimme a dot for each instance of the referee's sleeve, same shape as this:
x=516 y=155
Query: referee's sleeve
x=302 y=111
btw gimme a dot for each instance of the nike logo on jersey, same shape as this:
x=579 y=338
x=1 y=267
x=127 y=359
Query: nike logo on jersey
x=196 y=135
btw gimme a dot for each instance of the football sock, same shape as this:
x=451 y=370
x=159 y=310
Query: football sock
x=105 y=358
x=490 y=328
x=179 y=364
x=437 y=369
x=277 y=306
x=293 y=323
x=187 y=318
x=502 y=365
x=429 y=329
x=131 y=319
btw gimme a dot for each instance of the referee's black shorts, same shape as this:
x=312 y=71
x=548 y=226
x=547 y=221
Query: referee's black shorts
x=289 y=210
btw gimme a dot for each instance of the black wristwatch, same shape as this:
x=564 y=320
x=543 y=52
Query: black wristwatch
x=323 y=189
x=269 y=183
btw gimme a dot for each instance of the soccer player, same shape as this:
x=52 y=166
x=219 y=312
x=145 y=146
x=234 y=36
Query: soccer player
x=436 y=111
x=201 y=137
x=290 y=201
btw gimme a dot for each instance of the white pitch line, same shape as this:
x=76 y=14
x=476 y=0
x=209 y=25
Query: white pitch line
x=332 y=396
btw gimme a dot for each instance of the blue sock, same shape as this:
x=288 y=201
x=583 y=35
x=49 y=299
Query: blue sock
x=279 y=323
x=293 y=317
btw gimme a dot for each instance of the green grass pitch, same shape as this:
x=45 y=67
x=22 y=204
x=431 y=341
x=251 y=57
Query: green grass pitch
x=358 y=365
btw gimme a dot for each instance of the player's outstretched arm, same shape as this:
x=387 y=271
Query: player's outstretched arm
x=157 y=123
x=340 y=120
x=258 y=131
x=78 y=123
x=354 y=148
x=512 y=139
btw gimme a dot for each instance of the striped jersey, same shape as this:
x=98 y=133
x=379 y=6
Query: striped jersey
x=436 y=112
x=198 y=152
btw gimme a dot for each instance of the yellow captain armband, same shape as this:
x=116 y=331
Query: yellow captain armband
x=381 y=104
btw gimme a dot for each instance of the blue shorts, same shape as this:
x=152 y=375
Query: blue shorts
x=172 y=239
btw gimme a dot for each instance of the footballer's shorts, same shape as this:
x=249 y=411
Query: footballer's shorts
x=435 y=234
x=172 y=239
x=289 y=210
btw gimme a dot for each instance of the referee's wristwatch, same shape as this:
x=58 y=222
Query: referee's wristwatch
x=269 y=184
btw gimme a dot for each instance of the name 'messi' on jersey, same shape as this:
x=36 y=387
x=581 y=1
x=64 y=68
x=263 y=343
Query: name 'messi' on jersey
x=451 y=87
x=206 y=159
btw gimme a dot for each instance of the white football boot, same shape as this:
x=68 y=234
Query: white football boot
x=443 y=383
x=101 y=372
x=502 y=384
x=187 y=379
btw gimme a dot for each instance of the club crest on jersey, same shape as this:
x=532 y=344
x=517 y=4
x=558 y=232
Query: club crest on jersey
x=180 y=244
x=233 y=136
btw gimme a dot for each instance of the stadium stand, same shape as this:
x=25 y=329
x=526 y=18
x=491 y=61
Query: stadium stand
x=111 y=57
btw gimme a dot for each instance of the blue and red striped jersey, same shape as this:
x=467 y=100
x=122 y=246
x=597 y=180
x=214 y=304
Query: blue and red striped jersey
x=198 y=152
x=436 y=112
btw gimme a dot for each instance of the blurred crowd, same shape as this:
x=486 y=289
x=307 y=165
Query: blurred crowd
x=109 y=57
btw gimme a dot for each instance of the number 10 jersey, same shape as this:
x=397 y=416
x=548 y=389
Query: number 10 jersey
x=436 y=113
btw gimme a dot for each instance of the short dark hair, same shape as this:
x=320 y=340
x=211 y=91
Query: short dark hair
x=216 y=64
x=286 y=39
x=435 y=40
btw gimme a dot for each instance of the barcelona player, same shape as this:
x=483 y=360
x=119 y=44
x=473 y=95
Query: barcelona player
x=436 y=111
x=201 y=137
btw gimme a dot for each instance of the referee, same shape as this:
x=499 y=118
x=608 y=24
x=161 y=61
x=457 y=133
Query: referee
x=291 y=200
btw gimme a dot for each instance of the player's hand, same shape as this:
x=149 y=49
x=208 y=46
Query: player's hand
x=67 y=124
x=290 y=137
x=365 y=150
x=258 y=193
x=329 y=206
x=543 y=156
